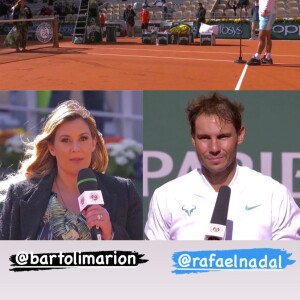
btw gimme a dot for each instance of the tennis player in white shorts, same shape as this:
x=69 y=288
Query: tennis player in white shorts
x=266 y=20
x=265 y=23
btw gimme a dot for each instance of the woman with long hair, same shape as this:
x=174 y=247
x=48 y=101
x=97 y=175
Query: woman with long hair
x=41 y=200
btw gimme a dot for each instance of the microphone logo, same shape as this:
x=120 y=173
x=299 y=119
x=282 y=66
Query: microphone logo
x=90 y=198
x=94 y=197
x=216 y=229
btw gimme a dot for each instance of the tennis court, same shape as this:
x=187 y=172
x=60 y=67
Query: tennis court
x=130 y=65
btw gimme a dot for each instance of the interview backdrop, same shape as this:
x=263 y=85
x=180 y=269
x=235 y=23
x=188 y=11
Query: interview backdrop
x=271 y=146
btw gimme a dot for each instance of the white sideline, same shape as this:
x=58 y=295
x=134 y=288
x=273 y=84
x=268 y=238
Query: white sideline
x=238 y=86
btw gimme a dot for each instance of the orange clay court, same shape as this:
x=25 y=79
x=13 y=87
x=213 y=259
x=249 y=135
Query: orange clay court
x=130 y=65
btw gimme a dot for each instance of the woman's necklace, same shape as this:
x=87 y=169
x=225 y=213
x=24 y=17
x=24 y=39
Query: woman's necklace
x=70 y=207
x=60 y=195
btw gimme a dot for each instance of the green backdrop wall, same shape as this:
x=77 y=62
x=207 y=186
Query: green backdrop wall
x=271 y=146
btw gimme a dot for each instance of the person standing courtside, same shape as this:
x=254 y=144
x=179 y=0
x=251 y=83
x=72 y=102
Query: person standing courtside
x=200 y=14
x=254 y=19
x=17 y=37
x=129 y=15
x=145 y=18
x=267 y=17
x=102 y=21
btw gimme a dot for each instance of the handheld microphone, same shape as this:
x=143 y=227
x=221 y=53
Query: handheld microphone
x=87 y=185
x=217 y=227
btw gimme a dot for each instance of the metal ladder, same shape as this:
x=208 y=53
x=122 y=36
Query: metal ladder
x=81 y=22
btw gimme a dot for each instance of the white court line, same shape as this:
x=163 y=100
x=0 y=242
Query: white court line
x=160 y=49
x=238 y=86
x=159 y=57
x=166 y=49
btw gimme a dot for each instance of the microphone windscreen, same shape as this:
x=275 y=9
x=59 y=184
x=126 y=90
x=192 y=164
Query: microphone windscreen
x=220 y=212
x=86 y=180
x=88 y=188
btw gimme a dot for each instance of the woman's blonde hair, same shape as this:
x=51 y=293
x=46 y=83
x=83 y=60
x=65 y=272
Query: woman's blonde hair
x=38 y=161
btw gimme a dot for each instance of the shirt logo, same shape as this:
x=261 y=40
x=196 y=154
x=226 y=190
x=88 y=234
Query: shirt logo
x=188 y=209
x=251 y=207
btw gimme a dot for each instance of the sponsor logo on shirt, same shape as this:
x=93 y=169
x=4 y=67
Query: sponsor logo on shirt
x=189 y=209
x=251 y=207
